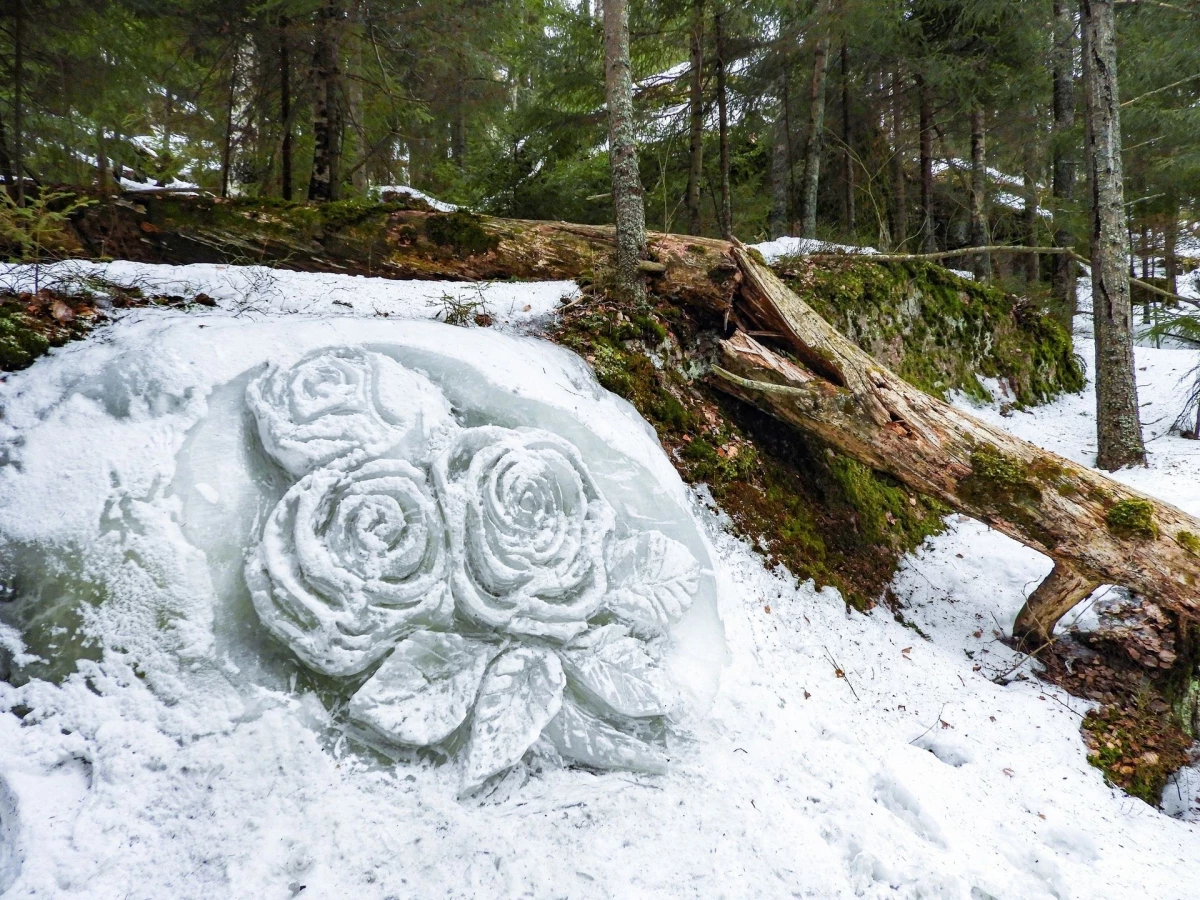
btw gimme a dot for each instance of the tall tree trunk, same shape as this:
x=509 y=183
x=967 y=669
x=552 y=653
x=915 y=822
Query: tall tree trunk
x=925 y=113
x=227 y=147
x=1029 y=214
x=1062 y=141
x=6 y=163
x=1170 y=242
x=847 y=144
x=982 y=262
x=899 y=180
x=359 y=146
x=816 y=127
x=101 y=161
x=285 y=110
x=781 y=164
x=696 y=109
x=324 y=183
x=723 y=125
x=458 y=127
x=1119 y=433
x=16 y=187
x=626 y=181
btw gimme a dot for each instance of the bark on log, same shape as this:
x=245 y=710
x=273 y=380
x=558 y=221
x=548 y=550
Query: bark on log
x=1096 y=530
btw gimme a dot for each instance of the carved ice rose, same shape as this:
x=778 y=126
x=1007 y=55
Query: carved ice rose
x=350 y=562
x=528 y=527
x=344 y=402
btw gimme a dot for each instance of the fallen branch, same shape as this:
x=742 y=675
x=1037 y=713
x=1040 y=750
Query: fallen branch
x=1096 y=530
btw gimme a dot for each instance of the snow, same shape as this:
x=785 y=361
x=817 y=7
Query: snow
x=795 y=246
x=257 y=291
x=844 y=755
x=411 y=192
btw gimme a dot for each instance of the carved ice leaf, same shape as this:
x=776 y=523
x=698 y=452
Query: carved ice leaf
x=652 y=580
x=424 y=690
x=521 y=693
x=580 y=736
x=613 y=670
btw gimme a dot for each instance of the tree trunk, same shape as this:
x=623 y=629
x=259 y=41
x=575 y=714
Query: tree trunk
x=1119 y=433
x=696 y=108
x=723 y=125
x=816 y=127
x=899 y=180
x=925 y=112
x=847 y=146
x=227 y=147
x=781 y=164
x=1062 y=140
x=6 y=164
x=1170 y=242
x=285 y=110
x=982 y=263
x=626 y=181
x=1029 y=214
x=458 y=127
x=17 y=187
x=101 y=161
x=324 y=182
x=360 y=146
x=1096 y=530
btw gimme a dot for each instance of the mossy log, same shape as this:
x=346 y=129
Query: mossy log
x=778 y=354
x=1096 y=530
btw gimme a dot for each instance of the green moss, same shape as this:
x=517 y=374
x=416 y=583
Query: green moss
x=1132 y=519
x=939 y=331
x=824 y=516
x=998 y=481
x=1136 y=747
x=20 y=340
x=461 y=230
x=1188 y=542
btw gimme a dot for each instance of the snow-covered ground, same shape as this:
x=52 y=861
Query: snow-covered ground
x=844 y=756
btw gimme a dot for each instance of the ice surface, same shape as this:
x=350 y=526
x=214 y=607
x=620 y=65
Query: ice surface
x=313 y=504
x=11 y=852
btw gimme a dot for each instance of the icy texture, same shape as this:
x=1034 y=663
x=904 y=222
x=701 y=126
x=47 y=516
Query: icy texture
x=10 y=838
x=520 y=694
x=350 y=562
x=528 y=528
x=425 y=690
x=345 y=402
x=407 y=536
x=504 y=534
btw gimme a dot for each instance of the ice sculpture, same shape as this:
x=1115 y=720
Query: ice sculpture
x=346 y=403
x=491 y=573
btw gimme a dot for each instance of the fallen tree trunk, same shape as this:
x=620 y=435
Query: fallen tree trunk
x=1096 y=530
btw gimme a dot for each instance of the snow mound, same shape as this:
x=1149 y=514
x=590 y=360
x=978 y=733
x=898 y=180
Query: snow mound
x=386 y=192
x=393 y=499
x=775 y=250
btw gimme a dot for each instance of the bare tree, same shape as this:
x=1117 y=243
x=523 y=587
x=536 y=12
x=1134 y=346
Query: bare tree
x=979 y=221
x=726 y=217
x=1062 y=147
x=1119 y=432
x=622 y=152
x=696 y=104
x=816 y=124
x=325 y=181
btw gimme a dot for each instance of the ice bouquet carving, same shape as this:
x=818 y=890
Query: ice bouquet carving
x=478 y=575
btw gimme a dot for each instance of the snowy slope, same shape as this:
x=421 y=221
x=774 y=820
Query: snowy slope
x=844 y=756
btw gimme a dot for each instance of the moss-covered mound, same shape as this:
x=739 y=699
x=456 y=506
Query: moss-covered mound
x=30 y=324
x=823 y=515
x=938 y=330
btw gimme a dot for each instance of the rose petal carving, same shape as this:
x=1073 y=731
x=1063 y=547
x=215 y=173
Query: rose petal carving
x=424 y=690
x=350 y=562
x=528 y=527
x=344 y=402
